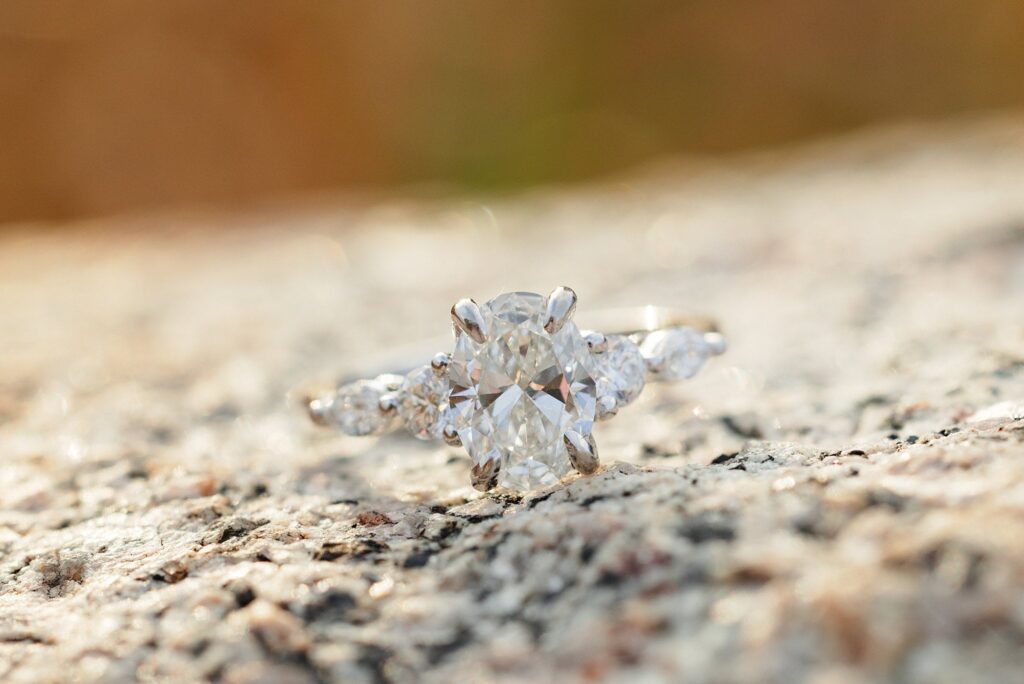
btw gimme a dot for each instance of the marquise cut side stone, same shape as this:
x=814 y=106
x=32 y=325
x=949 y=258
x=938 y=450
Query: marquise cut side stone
x=675 y=353
x=355 y=407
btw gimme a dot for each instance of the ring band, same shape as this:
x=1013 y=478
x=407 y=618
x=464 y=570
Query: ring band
x=523 y=384
x=643 y=319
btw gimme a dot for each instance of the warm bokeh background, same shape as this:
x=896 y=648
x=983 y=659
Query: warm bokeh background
x=111 y=105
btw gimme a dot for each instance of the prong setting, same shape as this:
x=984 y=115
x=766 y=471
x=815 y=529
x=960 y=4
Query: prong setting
x=451 y=436
x=440 y=362
x=319 y=409
x=388 y=403
x=716 y=343
x=596 y=342
x=559 y=308
x=582 y=452
x=484 y=475
x=468 y=318
x=607 y=407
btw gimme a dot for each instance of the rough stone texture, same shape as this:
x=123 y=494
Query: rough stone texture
x=838 y=499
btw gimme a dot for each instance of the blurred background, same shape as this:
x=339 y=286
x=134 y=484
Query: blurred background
x=111 y=106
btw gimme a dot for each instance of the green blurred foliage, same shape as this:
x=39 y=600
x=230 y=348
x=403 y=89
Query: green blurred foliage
x=113 y=105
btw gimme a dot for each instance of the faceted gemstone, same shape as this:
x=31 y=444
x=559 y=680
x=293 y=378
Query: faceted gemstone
x=675 y=353
x=423 y=403
x=516 y=395
x=622 y=370
x=355 y=407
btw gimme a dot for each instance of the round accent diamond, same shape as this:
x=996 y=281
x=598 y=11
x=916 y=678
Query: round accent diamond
x=675 y=353
x=423 y=403
x=355 y=407
x=622 y=369
x=519 y=392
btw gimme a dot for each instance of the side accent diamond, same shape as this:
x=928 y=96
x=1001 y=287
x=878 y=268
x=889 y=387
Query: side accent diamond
x=622 y=369
x=423 y=403
x=675 y=353
x=355 y=407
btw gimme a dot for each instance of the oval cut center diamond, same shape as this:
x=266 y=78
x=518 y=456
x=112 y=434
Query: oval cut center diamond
x=516 y=395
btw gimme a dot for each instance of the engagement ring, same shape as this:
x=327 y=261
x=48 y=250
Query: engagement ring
x=523 y=385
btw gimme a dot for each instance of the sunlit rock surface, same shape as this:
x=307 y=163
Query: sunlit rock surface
x=839 y=498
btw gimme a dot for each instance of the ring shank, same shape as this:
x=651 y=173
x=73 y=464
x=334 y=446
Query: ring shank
x=641 y=319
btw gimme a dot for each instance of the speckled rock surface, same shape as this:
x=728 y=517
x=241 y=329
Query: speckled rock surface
x=838 y=499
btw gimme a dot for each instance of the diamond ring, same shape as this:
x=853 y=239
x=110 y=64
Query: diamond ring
x=524 y=385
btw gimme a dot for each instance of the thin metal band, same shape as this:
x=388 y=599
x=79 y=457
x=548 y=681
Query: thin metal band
x=642 y=319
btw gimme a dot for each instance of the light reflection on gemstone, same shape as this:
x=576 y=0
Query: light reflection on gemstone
x=519 y=391
x=423 y=403
x=675 y=353
x=355 y=408
x=622 y=369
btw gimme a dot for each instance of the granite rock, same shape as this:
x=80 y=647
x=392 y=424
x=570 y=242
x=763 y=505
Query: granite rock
x=838 y=499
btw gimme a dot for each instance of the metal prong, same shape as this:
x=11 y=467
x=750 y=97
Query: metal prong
x=582 y=452
x=319 y=409
x=606 y=407
x=597 y=342
x=716 y=343
x=485 y=475
x=469 y=319
x=560 y=306
x=451 y=437
x=440 y=362
x=388 y=403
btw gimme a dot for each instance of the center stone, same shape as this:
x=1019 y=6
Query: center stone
x=516 y=394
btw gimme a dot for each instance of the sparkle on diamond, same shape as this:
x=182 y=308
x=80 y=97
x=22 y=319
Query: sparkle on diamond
x=675 y=353
x=423 y=403
x=622 y=369
x=355 y=408
x=515 y=395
